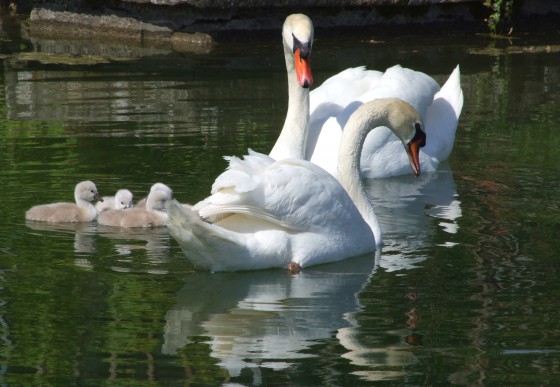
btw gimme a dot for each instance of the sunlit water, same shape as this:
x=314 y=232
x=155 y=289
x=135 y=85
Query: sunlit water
x=464 y=292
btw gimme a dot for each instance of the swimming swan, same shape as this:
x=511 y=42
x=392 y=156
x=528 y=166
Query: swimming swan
x=334 y=101
x=314 y=121
x=81 y=211
x=151 y=215
x=121 y=201
x=265 y=213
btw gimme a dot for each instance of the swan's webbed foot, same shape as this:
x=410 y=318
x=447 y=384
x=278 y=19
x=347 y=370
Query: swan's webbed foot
x=294 y=268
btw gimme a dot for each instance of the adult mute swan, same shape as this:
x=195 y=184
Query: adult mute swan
x=265 y=213
x=121 y=201
x=297 y=38
x=314 y=122
x=335 y=100
x=81 y=211
x=153 y=214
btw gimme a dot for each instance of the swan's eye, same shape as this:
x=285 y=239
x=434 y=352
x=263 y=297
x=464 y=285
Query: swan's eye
x=420 y=135
x=304 y=48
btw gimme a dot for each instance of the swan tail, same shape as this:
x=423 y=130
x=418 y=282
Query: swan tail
x=212 y=247
x=203 y=244
x=453 y=92
x=214 y=213
x=443 y=117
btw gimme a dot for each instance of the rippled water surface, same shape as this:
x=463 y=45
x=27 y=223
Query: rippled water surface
x=464 y=292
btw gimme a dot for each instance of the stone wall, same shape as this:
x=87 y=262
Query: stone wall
x=195 y=24
x=213 y=16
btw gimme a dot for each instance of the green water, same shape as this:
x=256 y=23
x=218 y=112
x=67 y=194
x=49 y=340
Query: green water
x=464 y=292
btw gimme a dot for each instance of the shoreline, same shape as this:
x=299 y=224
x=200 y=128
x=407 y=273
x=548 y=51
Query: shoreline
x=197 y=26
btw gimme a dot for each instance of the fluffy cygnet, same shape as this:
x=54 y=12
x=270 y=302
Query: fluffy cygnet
x=156 y=187
x=121 y=201
x=152 y=215
x=81 y=211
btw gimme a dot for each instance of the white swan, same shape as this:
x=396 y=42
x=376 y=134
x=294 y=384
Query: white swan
x=81 y=211
x=314 y=121
x=335 y=100
x=297 y=38
x=266 y=213
x=153 y=214
x=121 y=201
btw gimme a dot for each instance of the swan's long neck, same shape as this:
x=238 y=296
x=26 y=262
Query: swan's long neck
x=354 y=135
x=292 y=140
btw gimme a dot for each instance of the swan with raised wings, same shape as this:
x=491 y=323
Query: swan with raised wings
x=314 y=122
x=266 y=213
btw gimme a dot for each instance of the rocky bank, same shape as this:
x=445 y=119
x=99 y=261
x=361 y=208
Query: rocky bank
x=195 y=25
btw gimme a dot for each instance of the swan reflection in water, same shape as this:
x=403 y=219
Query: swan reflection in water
x=155 y=241
x=406 y=207
x=83 y=234
x=265 y=318
x=270 y=318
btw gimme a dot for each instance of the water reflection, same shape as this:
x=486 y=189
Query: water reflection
x=406 y=207
x=265 y=318
x=269 y=319
x=154 y=241
x=113 y=97
x=84 y=233
x=377 y=361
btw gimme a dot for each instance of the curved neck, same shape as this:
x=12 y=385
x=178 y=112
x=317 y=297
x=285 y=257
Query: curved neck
x=353 y=137
x=292 y=140
x=81 y=202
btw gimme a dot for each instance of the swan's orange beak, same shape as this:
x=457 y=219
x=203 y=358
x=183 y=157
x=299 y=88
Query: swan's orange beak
x=413 y=149
x=303 y=69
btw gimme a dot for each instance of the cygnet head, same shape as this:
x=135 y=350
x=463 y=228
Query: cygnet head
x=297 y=34
x=156 y=200
x=123 y=199
x=86 y=190
x=162 y=187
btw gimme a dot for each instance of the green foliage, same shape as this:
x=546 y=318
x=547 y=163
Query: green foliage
x=500 y=17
